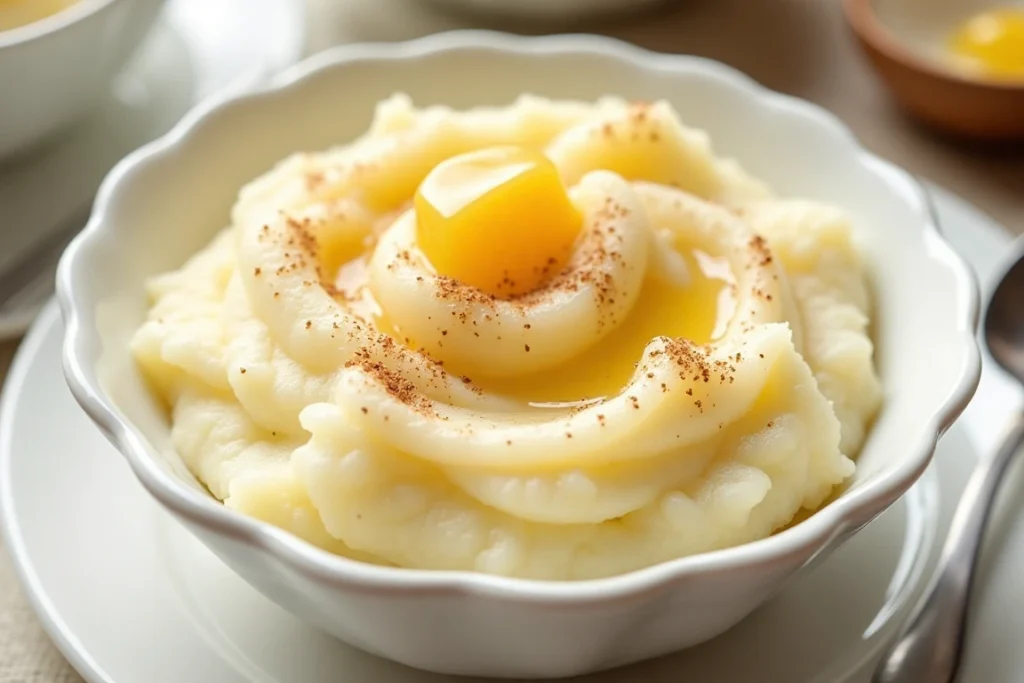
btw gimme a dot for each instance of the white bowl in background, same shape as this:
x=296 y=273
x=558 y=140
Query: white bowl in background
x=551 y=10
x=166 y=200
x=53 y=69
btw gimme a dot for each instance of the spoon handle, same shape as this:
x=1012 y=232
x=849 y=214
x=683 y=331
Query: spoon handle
x=929 y=646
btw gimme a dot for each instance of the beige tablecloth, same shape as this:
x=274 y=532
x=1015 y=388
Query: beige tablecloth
x=795 y=46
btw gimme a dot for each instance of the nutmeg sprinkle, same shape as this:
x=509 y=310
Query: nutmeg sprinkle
x=599 y=245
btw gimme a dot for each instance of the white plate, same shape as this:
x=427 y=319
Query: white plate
x=129 y=596
x=196 y=48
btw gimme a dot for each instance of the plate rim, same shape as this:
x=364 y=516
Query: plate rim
x=60 y=631
x=35 y=593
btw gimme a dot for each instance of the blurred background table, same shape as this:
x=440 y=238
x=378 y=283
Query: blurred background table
x=800 y=47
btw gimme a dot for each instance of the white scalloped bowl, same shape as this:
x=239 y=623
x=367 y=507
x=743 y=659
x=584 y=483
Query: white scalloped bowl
x=166 y=200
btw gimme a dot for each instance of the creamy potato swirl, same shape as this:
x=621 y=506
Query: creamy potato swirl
x=693 y=375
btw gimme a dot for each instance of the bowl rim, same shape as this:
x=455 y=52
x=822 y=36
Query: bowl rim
x=52 y=23
x=864 y=21
x=803 y=540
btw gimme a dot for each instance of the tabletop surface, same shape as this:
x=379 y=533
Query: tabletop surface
x=800 y=47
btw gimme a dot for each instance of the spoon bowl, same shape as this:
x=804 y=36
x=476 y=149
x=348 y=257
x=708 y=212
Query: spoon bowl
x=1004 y=319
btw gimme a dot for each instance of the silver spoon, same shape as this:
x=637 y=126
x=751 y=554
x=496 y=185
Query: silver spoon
x=929 y=647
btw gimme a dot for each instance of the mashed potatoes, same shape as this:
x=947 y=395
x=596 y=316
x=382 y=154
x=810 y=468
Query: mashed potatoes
x=556 y=340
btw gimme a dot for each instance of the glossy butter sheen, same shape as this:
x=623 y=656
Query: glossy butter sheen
x=499 y=219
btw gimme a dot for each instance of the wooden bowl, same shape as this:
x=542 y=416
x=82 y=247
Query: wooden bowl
x=904 y=40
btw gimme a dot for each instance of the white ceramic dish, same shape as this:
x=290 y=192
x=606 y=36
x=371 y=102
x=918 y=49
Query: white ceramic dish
x=52 y=70
x=493 y=625
x=192 y=51
x=129 y=595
